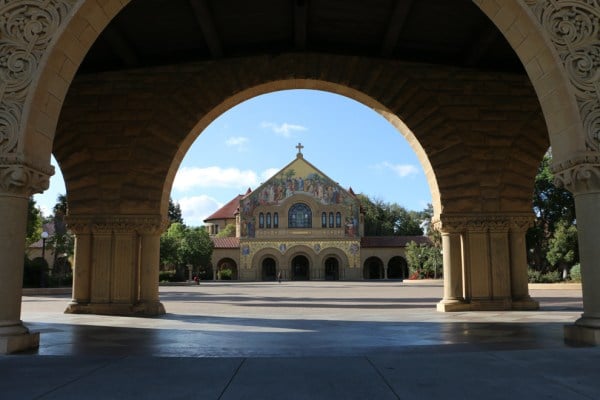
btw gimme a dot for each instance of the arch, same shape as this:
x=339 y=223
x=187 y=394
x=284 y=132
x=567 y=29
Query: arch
x=332 y=269
x=397 y=268
x=373 y=268
x=268 y=268
x=227 y=264
x=545 y=70
x=300 y=268
x=89 y=18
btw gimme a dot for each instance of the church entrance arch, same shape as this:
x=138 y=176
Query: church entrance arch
x=300 y=268
x=373 y=268
x=332 y=269
x=269 y=269
x=397 y=268
x=227 y=269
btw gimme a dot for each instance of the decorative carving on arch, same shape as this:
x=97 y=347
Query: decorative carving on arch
x=26 y=29
x=574 y=29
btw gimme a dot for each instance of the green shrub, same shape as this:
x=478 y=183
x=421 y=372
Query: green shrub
x=533 y=276
x=575 y=273
x=167 y=276
x=538 y=277
x=225 y=274
x=551 y=277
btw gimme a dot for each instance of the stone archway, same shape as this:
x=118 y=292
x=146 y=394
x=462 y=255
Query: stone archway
x=397 y=268
x=300 y=267
x=557 y=64
x=373 y=268
x=268 y=269
x=227 y=269
x=332 y=269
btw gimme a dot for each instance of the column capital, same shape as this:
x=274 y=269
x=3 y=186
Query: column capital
x=108 y=224
x=482 y=222
x=579 y=174
x=23 y=179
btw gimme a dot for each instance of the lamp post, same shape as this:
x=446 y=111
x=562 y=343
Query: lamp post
x=43 y=266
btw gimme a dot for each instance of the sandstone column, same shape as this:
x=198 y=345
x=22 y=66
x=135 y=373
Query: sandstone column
x=453 y=274
x=17 y=182
x=82 y=262
x=518 y=265
x=149 y=269
x=116 y=265
x=452 y=230
x=582 y=177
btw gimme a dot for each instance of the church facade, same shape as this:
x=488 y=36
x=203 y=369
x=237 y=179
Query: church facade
x=301 y=225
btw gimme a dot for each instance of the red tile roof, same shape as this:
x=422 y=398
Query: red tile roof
x=392 y=241
x=228 y=211
x=226 y=242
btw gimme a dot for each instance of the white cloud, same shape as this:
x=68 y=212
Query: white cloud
x=192 y=177
x=195 y=209
x=237 y=141
x=286 y=130
x=268 y=173
x=402 y=170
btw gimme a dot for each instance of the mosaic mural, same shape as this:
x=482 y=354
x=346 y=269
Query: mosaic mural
x=299 y=178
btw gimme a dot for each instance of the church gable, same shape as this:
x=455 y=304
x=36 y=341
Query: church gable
x=298 y=177
x=274 y=204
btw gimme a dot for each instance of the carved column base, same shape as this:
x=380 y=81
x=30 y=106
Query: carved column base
x=525 y=304
x=453 y=306
x=143 y=309
x=16 y=338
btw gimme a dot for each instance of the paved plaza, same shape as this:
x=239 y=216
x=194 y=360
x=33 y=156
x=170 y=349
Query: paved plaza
x=304 y=340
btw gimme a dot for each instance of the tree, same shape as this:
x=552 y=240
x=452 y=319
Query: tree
x=34 y=223
x=562 y=247
x=552 y=206
x=228 y=231
x=174 y=212
x=181 y=246
x=389 y=219
x=62 y=241
x=424 y=261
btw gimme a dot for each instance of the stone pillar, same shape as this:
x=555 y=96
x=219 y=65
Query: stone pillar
x=581 y=176
x=81 y=264
x=18 y=181
x=453 y=273
x=119 y=258
x=518 y=265
x=149 y=269
x=485 y=266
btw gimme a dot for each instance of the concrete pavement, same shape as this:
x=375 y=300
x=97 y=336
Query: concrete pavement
x=304 y=340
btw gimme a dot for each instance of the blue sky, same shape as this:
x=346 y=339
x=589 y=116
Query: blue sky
x=351 y=143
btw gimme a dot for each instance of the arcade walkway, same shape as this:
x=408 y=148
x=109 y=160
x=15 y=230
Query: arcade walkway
x=304 y=340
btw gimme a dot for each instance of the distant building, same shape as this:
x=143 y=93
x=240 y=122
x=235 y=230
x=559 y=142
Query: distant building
x=304 y=226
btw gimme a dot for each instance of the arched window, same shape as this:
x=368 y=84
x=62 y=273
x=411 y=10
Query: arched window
x=261 y=220
x=331 y=220
x=338 y=220
x=275 y=220
x=300 y=216
x=324 y=220
x=268 y=220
